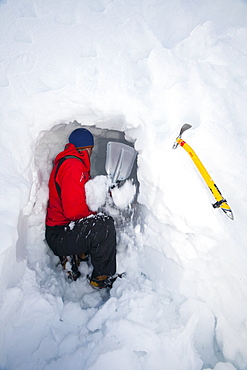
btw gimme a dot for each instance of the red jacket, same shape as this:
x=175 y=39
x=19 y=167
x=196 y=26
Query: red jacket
x=71 y=177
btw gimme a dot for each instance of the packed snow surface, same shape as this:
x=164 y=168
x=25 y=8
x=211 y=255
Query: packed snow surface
x=141 y=68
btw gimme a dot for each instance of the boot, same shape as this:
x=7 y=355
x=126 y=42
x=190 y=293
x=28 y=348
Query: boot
x=102 y=281
x=73 y=273
x=83 y=257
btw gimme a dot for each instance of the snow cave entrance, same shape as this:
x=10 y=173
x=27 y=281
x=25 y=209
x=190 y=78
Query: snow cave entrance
x=54 y=140
x=40 y=258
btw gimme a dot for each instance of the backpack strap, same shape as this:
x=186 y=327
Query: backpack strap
x=58 y=187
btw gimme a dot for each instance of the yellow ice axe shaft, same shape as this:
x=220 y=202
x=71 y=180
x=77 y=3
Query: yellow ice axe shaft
x=220 y=201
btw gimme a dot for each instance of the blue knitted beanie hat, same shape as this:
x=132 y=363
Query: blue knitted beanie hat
x=81 y=138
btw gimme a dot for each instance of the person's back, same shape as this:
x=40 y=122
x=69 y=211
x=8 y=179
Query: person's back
x=67 y=199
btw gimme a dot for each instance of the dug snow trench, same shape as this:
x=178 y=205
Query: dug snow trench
x=65 y=315
x=76 y=304
x=137 y=324
x=125 y=209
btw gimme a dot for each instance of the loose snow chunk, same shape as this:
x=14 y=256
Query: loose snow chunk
x=124 y=195
x=96 y=191
x=71 y=225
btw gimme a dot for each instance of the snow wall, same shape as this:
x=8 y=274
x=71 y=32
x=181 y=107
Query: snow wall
x=142 y=68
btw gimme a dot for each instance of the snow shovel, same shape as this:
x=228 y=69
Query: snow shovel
x=119 y=161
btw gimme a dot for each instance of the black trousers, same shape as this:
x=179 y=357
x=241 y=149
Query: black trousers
x=95 y=235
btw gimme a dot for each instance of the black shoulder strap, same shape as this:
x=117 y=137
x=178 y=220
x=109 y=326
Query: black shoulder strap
x=57 y=168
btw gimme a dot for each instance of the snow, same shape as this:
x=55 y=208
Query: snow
x=133 y=70
x=96 y=192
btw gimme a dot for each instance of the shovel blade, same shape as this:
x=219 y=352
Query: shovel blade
x=119 y=160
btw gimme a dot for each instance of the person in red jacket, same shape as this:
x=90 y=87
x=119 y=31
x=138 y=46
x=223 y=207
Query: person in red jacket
x=72 y=229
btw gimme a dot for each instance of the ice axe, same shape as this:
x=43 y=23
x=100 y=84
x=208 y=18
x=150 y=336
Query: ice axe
x=220 y=201
x=119 y=161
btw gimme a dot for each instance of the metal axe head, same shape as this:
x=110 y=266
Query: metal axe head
x=185 y=127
